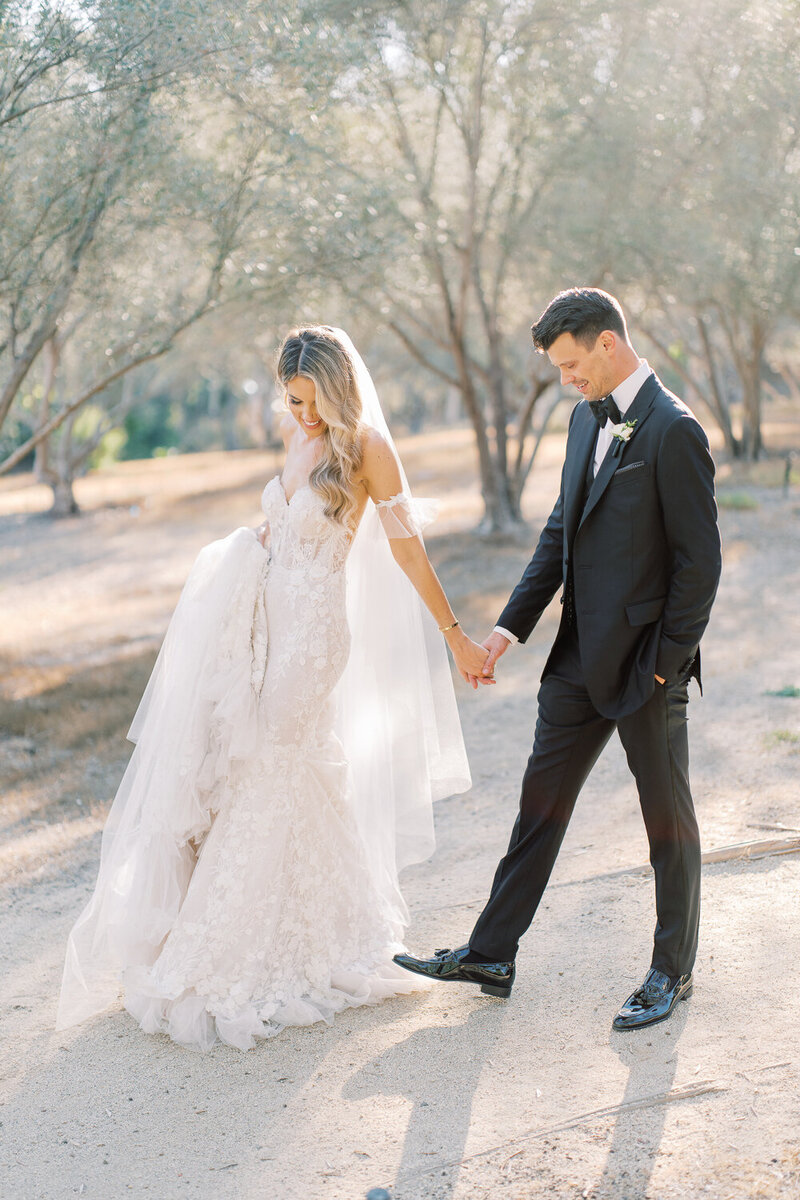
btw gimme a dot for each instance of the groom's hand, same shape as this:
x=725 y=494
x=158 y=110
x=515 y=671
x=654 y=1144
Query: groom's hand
x=496 y=644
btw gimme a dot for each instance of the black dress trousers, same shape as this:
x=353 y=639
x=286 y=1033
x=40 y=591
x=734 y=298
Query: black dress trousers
x=570 y=735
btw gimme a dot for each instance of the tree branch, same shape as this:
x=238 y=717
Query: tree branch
x=421 y=358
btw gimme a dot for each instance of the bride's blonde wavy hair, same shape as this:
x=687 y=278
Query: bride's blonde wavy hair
x=315 y=352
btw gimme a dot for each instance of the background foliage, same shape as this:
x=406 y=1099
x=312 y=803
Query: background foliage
x=181 y=182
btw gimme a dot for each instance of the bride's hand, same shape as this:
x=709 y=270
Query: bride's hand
x=469 y=657
x=262 y=533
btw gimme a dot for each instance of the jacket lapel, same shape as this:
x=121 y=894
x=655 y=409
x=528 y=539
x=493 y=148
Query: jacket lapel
x=576 y=464
x=639 y=411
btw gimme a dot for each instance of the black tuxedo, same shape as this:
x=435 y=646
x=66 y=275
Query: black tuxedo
x=642 y=553
x=637 y=552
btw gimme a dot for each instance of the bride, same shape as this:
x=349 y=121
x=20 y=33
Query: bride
x=283 y=774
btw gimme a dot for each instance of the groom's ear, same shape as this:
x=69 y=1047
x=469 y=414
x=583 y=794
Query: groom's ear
x=608 y=341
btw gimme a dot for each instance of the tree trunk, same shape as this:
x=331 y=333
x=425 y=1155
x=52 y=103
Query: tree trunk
x=717 y=399
x=41 y=455
x=64 y=502
x=733 y=444
x=752 y=440
x=508 y=510
x=62 y=476
x=746 y=342
x=51 y=352
x=499 y=515
x=501 y=510
x=523 y=466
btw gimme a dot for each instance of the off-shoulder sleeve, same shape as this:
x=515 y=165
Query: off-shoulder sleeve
x=403 y=516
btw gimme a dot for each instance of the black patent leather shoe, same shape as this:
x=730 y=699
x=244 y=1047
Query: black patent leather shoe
x=653 y=1001
x=495 y=978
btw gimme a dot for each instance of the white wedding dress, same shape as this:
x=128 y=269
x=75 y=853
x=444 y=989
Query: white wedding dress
x=248 y=878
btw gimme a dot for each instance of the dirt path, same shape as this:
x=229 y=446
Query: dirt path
x=451 y=1095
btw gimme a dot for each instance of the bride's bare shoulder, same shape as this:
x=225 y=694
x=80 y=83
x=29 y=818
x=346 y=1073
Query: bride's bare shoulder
x=379 y=469
x=374 y=447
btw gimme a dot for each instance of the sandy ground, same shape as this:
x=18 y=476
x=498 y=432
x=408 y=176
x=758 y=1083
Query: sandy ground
x=449 y=1095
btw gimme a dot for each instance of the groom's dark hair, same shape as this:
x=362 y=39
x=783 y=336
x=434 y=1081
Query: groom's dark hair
x=583 y=312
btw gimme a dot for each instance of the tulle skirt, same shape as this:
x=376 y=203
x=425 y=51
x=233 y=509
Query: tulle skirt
x=237 y=893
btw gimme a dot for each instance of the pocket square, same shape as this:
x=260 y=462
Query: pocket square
x=631 y=467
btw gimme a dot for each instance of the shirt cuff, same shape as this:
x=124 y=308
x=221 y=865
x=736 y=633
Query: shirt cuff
x=506 y=633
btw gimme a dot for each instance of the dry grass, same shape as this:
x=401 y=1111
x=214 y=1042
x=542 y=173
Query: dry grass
x=62 y=754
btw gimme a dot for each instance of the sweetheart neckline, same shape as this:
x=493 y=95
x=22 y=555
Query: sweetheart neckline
x=288 y=499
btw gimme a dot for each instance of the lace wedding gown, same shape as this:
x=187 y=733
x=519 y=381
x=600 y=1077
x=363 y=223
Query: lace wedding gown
x=237 y=891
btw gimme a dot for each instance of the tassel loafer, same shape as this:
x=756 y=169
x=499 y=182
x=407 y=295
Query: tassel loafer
x=653 y=1001
x=495 y=978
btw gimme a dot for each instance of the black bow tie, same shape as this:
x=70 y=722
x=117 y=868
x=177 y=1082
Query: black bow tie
x=605 y=410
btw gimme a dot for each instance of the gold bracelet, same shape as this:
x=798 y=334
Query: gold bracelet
x=447 y=628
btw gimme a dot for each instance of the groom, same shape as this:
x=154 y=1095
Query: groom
x=633 y=541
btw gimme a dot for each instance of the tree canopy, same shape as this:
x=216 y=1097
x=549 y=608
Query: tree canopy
x=430 y=172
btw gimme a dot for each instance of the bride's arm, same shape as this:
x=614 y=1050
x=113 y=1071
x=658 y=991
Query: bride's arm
x=381 y=478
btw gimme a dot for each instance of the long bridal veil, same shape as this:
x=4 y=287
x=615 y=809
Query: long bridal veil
x=396 y=718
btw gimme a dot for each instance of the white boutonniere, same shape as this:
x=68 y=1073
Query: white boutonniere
x=622 y=434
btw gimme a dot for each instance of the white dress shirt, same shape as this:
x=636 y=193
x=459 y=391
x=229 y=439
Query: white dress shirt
x=624 y=395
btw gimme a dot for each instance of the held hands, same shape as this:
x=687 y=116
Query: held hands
x=470 y=658
x=476 y=663
x=496 y=645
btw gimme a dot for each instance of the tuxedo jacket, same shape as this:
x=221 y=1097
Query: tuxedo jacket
x=640 y=554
